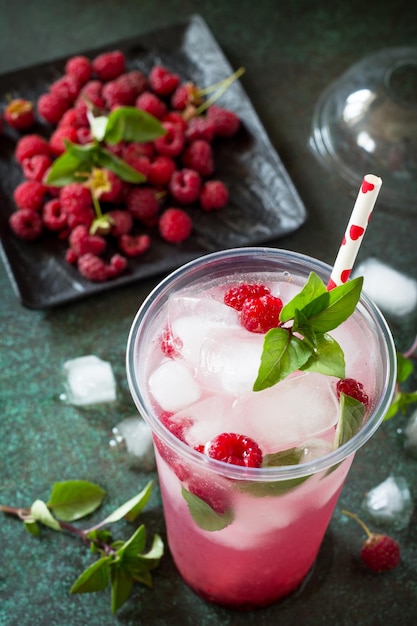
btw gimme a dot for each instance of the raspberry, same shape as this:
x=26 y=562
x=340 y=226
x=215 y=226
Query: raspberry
x=122 y=222
x=235 y=449
x=176 y=427
x=214 y=195
x=109 y=65
x=116 y=191
x=134 y=245
x=29 y=145
x=95 y=269
x=185 y=95
x=52 y=107
x=79 y=67
x=84 y=135
x=143 y=204
x=199 y=128
x=35 y=167
x=259 y=315
x=226 y=123
x=82 y=242
x=57 y=138
x=160 y=171
x=175 y=118
x=90 y=94
x=26 y=224
x=171 y=346
x=74 y=117
x=185 y=185
x=134 y=157
x=198 y=156
x=137 y=80
x=29 y=195
x=172 y=143
x=66 y=88
x=53 y=216
x=352 y=388
x=236 y=296
x=149 y=102
x=76 y=217
x=118 y=92
x=175 y=225
x=162 y=81
x=19 y=114
x=75 y=198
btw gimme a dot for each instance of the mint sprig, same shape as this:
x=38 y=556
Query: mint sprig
x=301 y=340
x=121 y=563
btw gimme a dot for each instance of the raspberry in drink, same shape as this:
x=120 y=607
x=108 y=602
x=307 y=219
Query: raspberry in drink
x=249 y=479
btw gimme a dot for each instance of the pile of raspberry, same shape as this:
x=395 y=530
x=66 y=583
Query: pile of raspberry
x=179 y=167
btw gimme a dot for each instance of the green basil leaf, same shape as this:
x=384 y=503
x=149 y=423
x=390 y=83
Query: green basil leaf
x=121 y=586
x=130 y=509
x=73 y=499
x=72 y=165
x=203 y=515
x=351 y=417
x=282 y=354
x=95 y=578
x=333 y=307
x=273 y=488
x=292 y=456
x=132 y=124
x=327 y=358
x=32 y=527
x=313 y=288
x=40 y=512
x=135 y=544
x=105 y=159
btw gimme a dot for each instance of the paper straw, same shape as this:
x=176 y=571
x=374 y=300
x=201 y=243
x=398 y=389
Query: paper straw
x=355 y=230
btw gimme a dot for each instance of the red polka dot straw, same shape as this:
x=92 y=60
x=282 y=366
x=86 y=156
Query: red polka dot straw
x=355 y=230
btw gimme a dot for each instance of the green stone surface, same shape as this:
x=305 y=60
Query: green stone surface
x=291 y=52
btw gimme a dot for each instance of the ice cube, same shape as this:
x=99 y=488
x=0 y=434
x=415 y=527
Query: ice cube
x=210 y=417
x=295 y=410
x=137 y=436
x=230 y=359
x=173 y=386
x=390 y=502
x=391 y=290
x=89 y=380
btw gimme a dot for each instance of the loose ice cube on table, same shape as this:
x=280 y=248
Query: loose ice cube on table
x=230 y=359
x=290 y=413
x=137 y=436
x=392 y=291
x=390 y=502
x=173 y=386
x=89 y=380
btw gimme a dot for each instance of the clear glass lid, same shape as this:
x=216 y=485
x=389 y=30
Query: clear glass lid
x=366 y=123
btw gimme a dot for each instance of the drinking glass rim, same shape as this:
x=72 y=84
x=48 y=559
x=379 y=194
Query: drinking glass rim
x=274 y=473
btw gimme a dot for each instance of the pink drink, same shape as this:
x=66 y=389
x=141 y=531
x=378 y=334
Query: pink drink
x=246 y=536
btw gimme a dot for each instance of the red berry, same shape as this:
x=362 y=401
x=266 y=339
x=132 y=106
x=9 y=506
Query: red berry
x=199 y=128
x=119 y=92
x=235 y=449
x=35 y=167
x=198 y=156
x=90 y=94
x=171 y=346
x=175 y=225
x=52 y=107
x=214 y=195
x=29 y=145
x=176 y=427
x=235 y=296
x=79 y=67
x=19 y=114
x=134 y=245
x=26 y=224
x=225 y=122
x=259 y=315
x=143 y=204
x=74 y=117
x=352 y=388
x=75 y=197
x=121 y=222
x=137 y=80
x=116 y=191
x=162 y=81
x=149 y=102
x=185 y=185
x=95 y=269
x=82 y=242
x=172 y=143
x=109 y=65
x=66 y=88
x=161 y=170
x=29 y=195
x=62 y=133
x=53 y=215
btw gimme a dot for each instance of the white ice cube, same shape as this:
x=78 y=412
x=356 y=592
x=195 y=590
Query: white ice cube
x=390 y=502
x=173 y=386
x=89 y=380
x=392 y=291
x=210 y=417
x=230 y=359
x=137 y=435
x=295 y=410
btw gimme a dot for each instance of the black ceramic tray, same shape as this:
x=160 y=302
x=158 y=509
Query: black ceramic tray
x=263 y=202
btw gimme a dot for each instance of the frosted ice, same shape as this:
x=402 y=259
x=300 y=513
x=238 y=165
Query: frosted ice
x=211 y=416
x=285 y=415
x=137 y=436
x=230 y=360
x=173 y=386
x=391 y=290
x=410 y=443
x=89 y=380
x=390 y=502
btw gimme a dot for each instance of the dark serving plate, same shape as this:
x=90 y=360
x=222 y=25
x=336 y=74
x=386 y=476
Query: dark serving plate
x=263 y=201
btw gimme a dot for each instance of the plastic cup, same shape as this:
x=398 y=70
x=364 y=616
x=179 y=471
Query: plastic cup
x=246 y=537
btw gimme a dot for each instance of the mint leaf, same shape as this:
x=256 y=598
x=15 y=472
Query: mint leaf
x=292 y=456
x=351 y=416
x=121 y=586
x=135 y=544
x=95 y=578
x=68 y=166
x=105 y=159
x=313 y=288
x=273 y=488
x=333 y=307
x=283 y=353
x=130 y=509
x=327 y=358
x=73 y=499
x=204 y=516
x=132 y=124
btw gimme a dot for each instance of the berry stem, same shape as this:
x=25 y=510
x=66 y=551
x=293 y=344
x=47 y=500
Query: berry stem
x=219 y=88
x=360 y=522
